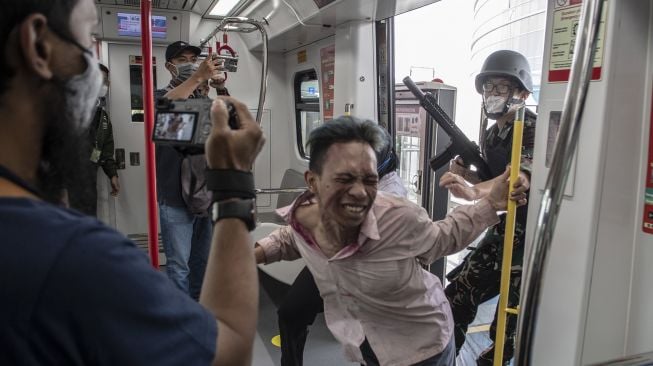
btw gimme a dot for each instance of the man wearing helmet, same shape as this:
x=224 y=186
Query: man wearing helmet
x=504 y=83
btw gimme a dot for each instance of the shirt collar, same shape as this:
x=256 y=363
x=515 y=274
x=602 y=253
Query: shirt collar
x=369 y=228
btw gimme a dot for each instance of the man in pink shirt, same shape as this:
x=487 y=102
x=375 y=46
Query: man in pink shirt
x=366 y=250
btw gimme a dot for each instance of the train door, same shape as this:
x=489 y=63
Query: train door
x=127 y=117
x=125 y=108
x=441 y=66
x=454 y=38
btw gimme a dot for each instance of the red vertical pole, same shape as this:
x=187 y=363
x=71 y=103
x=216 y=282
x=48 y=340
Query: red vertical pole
x=148 y=108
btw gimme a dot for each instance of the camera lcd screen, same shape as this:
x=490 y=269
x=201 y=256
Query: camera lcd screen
x=175 y=126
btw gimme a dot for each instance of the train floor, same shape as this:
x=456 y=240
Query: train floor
x=323 y=350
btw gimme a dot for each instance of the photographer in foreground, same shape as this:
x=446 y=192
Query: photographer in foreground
x=74 y=290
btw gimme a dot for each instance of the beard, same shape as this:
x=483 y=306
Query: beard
x=65 y=150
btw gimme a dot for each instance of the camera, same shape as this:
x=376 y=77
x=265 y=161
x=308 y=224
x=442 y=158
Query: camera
x=229 y=63
x=186 y=124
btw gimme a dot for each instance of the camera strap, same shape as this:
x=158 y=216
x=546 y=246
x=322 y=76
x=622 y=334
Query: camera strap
x=230 y=183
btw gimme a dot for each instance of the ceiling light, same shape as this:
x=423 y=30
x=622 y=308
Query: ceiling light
x=223 y=7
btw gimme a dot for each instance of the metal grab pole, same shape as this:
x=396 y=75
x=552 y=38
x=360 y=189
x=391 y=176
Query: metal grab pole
x=148 y=108
x=509 y=237
x=264 y=67
x=570 y=123
x=280 y=190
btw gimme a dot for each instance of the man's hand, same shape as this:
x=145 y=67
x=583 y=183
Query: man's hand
x=115 y=186
x=498 y=196
x=207 y=69
x=458 y=187
x=457 y=166
x=521 y=186
x=218 y=78
x=217 y=81
x=233 y=149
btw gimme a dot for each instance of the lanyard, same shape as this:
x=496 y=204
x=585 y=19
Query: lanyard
x=9 y=175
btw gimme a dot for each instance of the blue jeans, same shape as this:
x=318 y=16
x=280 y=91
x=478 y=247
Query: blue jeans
x=186 y=241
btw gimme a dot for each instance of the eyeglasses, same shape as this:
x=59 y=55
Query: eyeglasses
x=488 y=87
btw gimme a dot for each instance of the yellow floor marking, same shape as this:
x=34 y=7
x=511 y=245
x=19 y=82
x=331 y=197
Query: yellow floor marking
x=276 y=340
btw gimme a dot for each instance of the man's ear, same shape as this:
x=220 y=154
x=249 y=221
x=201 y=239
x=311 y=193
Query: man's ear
x=36 y=45
x=311 y=180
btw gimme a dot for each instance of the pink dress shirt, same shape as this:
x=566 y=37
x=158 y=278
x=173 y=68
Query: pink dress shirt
x=376 y=287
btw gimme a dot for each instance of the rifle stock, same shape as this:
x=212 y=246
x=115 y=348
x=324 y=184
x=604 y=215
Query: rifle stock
x=460 y=144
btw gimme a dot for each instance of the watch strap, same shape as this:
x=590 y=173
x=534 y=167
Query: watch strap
x=244 y=209
x=230 y=183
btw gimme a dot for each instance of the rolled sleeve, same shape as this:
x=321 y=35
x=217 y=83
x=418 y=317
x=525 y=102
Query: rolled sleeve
x=454 y=232
x=279 y=245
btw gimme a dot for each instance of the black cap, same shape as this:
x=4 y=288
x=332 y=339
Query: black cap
x=174 y=49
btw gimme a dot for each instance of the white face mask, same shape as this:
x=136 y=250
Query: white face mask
x=496 y=105
x=84 y=90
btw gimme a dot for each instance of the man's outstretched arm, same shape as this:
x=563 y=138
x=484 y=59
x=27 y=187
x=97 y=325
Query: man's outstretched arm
x=230 y=289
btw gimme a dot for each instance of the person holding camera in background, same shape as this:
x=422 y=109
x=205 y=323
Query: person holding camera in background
x=185 y=225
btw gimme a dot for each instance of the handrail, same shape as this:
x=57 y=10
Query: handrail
x=223 y=26
x=509 y=236
x=279 y=190
x=148 y=112
x=570 y=123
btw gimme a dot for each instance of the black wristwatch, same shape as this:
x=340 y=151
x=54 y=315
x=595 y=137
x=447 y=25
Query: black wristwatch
x=244 y=209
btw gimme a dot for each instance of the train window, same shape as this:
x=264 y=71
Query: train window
x=136 y=85
x=307 y=107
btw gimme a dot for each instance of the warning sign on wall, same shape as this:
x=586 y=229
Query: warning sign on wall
x=327 y=61
x=566 y=20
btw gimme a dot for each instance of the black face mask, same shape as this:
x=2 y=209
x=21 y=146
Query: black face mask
x=65 y=144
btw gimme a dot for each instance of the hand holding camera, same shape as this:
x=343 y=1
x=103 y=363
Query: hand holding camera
x=223 y=64
x=235 y=139
x=208 y=68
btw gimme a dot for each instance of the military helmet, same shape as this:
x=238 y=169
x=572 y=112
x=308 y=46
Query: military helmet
x=506 y=63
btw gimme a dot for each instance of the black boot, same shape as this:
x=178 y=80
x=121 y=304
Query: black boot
x=486 y=358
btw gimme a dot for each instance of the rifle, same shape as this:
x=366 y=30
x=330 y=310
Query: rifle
x=460 y=145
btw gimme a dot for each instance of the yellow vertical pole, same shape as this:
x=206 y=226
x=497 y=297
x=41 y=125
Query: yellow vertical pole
x=506 y=263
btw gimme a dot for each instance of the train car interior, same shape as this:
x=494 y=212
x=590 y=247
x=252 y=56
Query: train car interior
x=297 y=64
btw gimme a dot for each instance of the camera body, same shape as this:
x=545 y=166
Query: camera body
x=186 y=124
x=229 y=63
x=183 y=123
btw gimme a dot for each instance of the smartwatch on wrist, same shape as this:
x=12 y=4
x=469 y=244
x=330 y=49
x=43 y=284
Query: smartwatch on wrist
x=244 y=209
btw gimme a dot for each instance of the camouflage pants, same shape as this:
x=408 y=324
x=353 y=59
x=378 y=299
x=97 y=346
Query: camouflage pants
x=477 y=280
